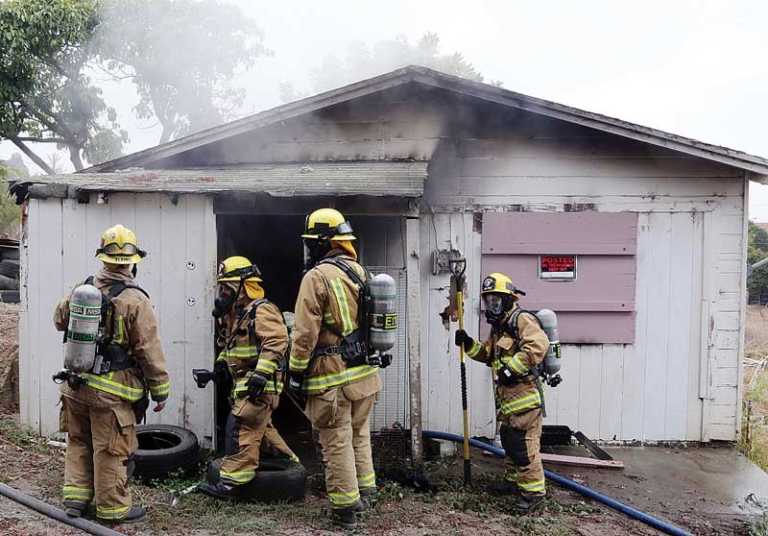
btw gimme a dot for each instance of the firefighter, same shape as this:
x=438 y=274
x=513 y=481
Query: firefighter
x=329 y=367
x=253 y=340
x=515 y=349
x=100 y=411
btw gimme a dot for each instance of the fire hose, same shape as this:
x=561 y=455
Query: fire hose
x=659 y=524
x=54 y=513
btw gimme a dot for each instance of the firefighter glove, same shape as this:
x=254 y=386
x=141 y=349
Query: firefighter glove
x=256 y=384
x=294 y=382
x=462 y=339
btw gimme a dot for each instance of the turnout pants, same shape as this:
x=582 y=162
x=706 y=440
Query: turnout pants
x=341 y=418
x=521 y=438
x=100 y=440
x=246 y=427
x=274 y=444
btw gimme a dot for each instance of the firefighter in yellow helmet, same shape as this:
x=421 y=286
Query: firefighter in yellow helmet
x=100 y=408
x=253 y=341
x=515 y=349
x=328 y=365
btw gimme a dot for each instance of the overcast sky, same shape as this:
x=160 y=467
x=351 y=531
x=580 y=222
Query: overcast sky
x=695 y=68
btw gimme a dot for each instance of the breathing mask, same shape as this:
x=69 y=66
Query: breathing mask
x=314 y=250
x=495 y=306
x=225 y=298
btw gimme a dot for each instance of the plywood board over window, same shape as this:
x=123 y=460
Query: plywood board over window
x=582 y=265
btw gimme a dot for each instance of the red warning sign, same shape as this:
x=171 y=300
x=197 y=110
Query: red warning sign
x=557 y=266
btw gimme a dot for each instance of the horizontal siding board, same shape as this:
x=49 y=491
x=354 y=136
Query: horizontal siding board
x=588 y=233
x=559 y=166
x=590 y=186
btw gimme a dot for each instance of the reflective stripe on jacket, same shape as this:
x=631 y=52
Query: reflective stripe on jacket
x=326 y=310
x=520 y=356
x=266 y=356
x=135 y=329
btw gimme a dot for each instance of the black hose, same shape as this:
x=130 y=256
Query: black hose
x=659 y=524
x=54 y=513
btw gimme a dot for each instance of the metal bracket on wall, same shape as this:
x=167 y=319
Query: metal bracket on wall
x=441 y=260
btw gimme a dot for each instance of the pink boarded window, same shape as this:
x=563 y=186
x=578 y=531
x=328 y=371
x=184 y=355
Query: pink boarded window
x=580 y=264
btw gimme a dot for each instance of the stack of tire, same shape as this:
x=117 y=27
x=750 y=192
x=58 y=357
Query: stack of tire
x=9 y=271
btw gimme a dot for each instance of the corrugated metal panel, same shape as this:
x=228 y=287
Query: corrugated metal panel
x=179 y=273
x=401 y=179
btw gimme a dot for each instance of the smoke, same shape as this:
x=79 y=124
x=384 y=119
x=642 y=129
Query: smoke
x=181 y=58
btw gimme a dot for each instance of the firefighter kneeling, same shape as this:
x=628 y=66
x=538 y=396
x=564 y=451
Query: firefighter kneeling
x=515 y=350
x=254 y=341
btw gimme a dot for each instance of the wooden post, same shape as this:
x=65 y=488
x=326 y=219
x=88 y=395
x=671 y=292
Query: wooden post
x=413 y=311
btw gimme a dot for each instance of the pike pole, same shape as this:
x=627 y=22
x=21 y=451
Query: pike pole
x=458 y=269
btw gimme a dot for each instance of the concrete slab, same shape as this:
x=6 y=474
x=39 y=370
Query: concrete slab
x=700 y=488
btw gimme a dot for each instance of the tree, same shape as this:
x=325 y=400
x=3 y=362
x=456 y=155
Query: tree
x=757 y=249
x=45 y=95
x=181 y=55
x=364 y=62
x=10 y=212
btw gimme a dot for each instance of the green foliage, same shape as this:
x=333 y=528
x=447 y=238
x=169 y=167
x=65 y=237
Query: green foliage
x=181 y=55
x=10 y=212
x=45 y=95
x=757 y=249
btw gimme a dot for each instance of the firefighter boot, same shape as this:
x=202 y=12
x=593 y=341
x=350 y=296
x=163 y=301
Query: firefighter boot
x=136 y=513
x=75 y=508
x=369 y=497
x=220 y=490
x=529 y=503
x=344 y=517
x=505 y=487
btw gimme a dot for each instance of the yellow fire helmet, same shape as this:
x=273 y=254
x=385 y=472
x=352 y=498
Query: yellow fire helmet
x=328 y=224
x=498 y=283
x=236 y=269
x=119 y=246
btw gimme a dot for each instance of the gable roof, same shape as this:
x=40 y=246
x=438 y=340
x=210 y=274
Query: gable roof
x=461 y=86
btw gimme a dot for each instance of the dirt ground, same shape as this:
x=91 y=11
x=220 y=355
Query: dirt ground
x=29 y=464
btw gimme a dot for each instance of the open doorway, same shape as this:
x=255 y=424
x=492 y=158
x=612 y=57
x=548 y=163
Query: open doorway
x=273 y=242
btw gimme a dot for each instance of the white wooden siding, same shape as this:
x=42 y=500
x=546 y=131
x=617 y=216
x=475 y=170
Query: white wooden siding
x=679 y=381
x=440 y=372
x=178 y=273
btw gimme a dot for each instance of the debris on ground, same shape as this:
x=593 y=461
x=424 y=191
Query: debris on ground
x=9 y=358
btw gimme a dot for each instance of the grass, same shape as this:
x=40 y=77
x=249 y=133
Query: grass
x=24 y=438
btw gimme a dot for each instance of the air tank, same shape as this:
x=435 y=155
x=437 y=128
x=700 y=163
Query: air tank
x=83 y=329
x=383 y=317
x=548 y=320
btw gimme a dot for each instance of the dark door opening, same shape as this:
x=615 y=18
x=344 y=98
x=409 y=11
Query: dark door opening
x=273 y=242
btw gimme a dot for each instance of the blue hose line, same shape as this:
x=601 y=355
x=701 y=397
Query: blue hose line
x=567 y=483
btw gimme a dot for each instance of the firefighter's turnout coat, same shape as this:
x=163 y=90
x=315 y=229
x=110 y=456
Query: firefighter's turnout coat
x=340 y=397
x=99 y=416
x=326 y=311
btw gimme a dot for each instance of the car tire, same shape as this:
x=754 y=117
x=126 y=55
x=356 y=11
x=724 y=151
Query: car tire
x=9 y=269
x=277 y=480
x=163 y=449
x=9 y=296
x=9 y=254
x=9 y=283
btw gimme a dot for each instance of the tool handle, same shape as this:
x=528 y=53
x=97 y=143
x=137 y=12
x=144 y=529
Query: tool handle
x=464 y=404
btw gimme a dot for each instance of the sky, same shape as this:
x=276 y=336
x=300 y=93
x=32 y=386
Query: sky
x=694 y=68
